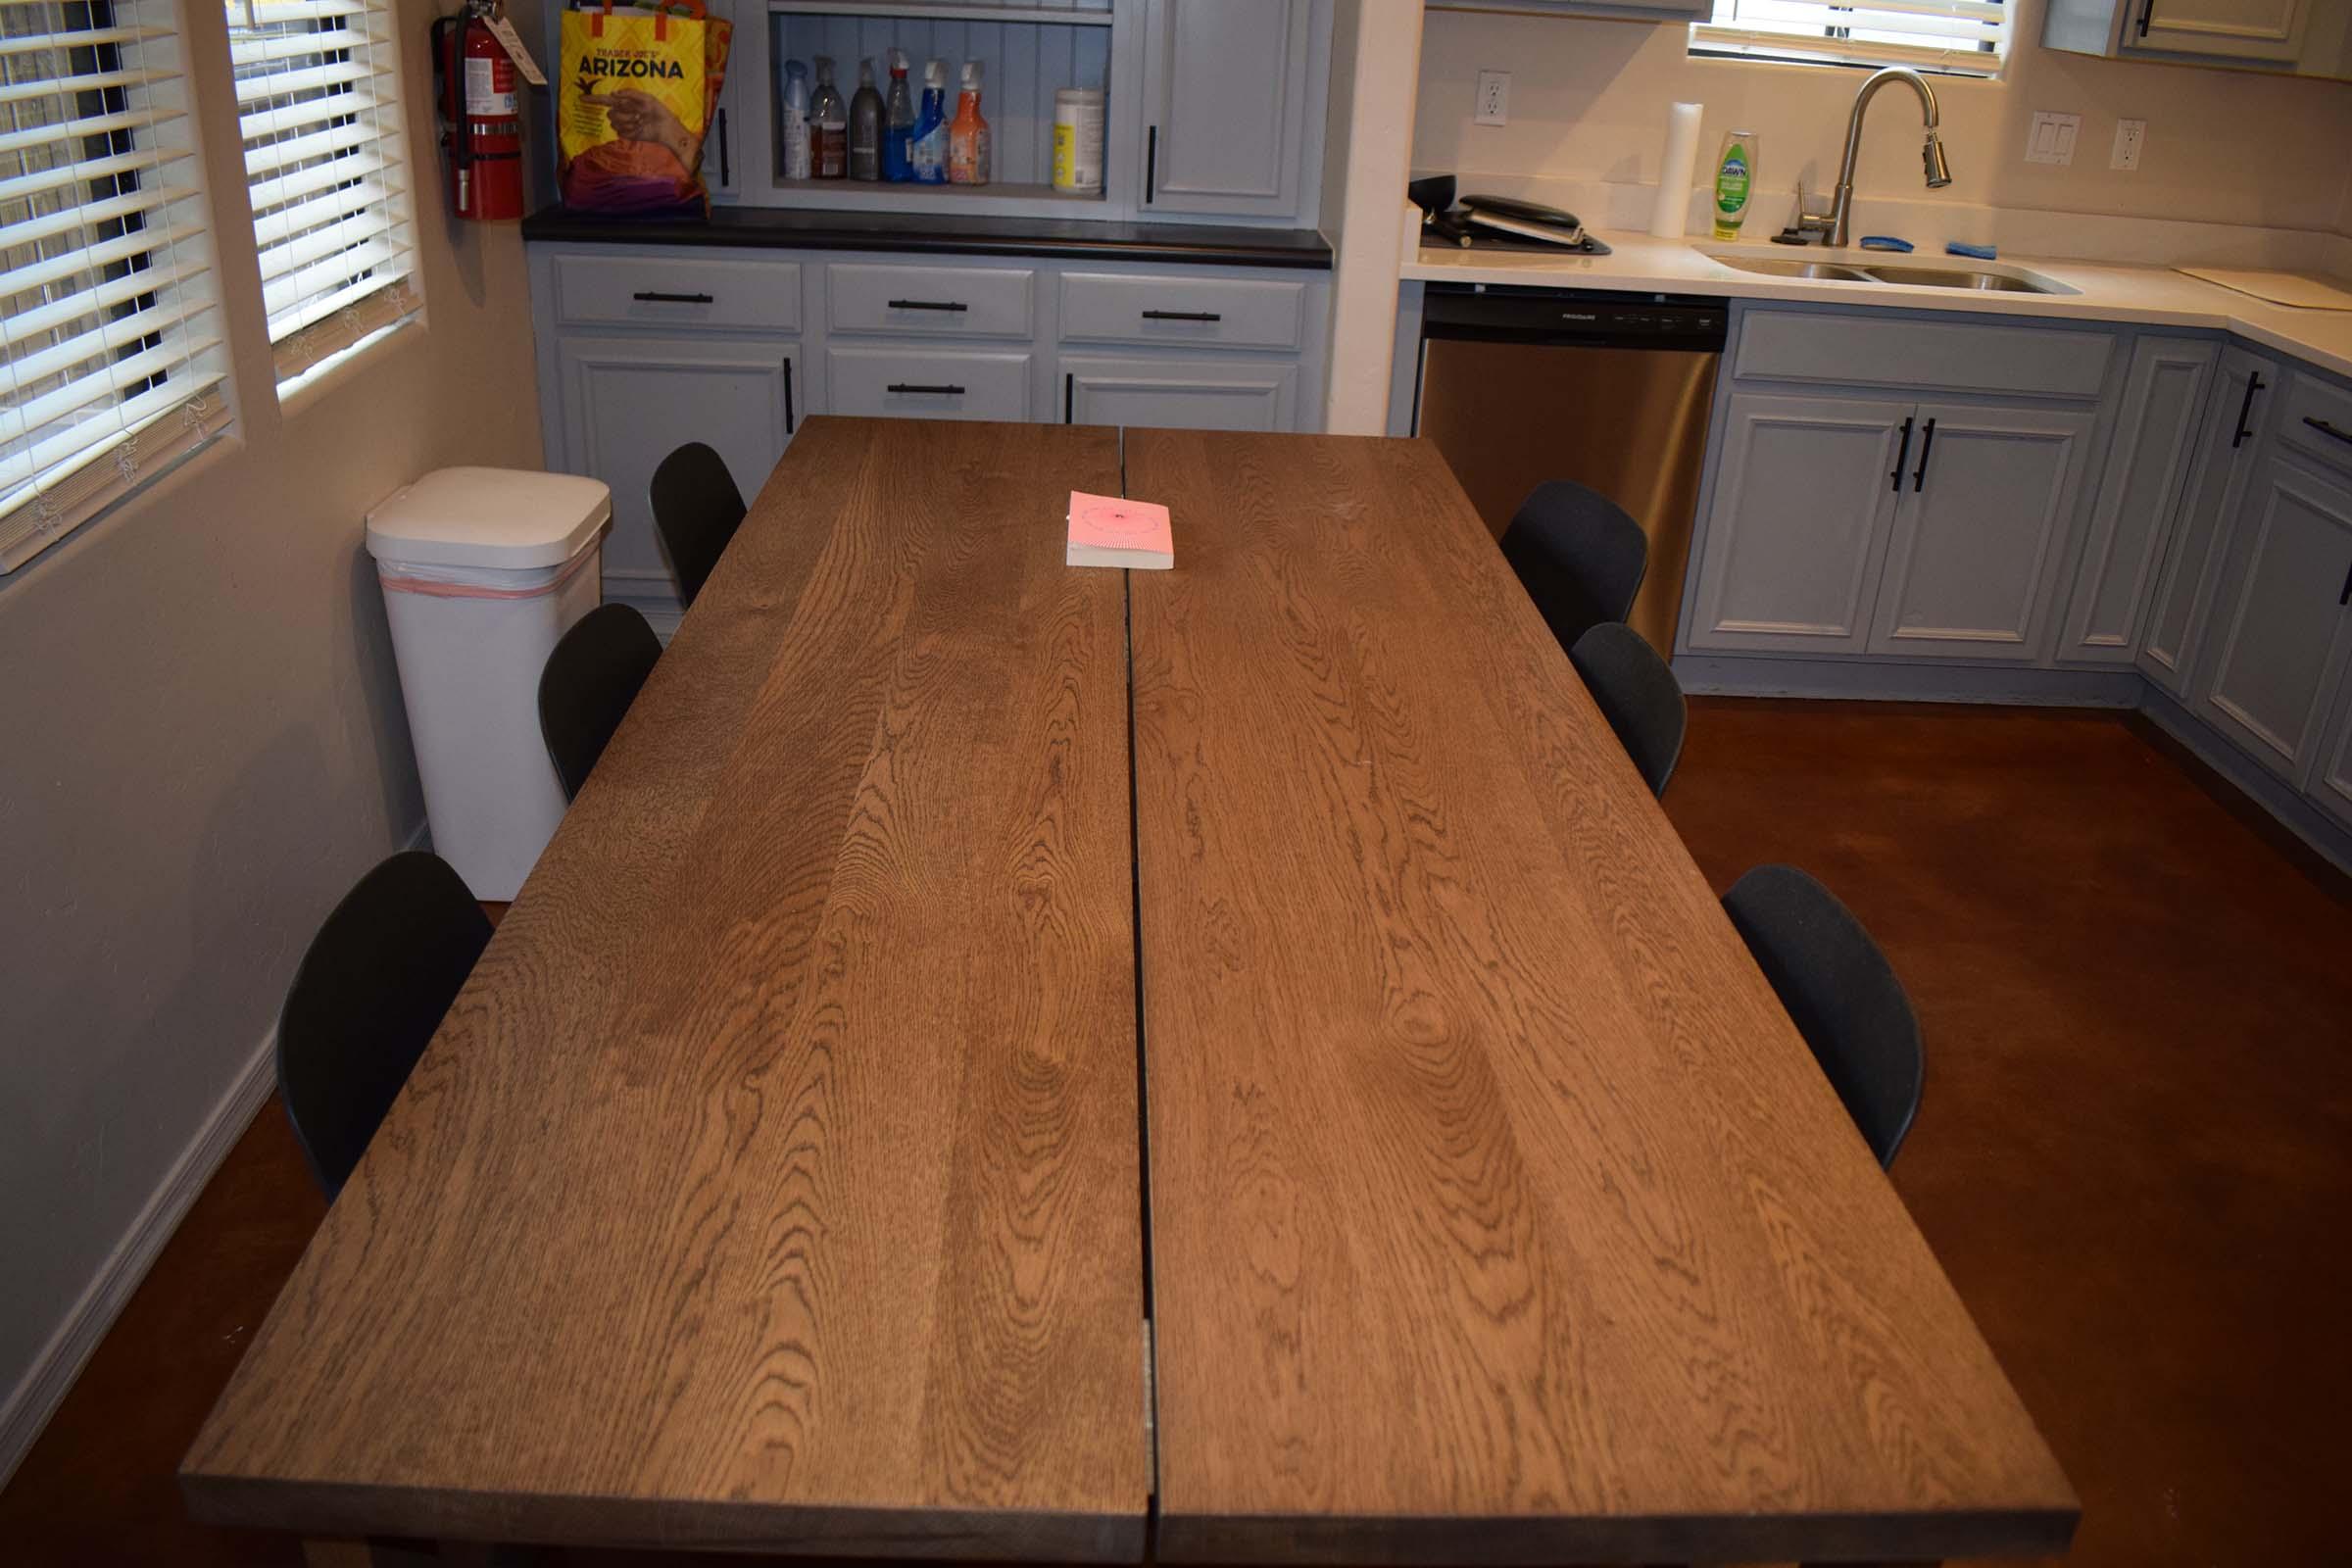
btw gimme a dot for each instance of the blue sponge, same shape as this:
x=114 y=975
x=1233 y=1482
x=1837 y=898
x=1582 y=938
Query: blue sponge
x=1884 y=242
x=1981 y=252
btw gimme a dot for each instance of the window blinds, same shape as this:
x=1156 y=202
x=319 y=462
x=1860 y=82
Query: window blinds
x=319 y=107
x=111 y=338
x=1952 y=35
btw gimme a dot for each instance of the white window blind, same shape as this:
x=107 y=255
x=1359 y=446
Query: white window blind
x=1962 y=36
x=112 y=363
x=326 y=160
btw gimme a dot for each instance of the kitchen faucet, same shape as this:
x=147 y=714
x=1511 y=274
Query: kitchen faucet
x=1833 y=224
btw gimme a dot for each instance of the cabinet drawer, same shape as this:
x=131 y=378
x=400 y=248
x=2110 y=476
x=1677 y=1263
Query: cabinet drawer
x=933 y=301
x=683 y=291
x=928 y=383
x=1956 y=356
x=2317 y=418
x=1196 y=312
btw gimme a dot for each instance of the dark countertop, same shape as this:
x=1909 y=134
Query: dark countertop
x=945 y=233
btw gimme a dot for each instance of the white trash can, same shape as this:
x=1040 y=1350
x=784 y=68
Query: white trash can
x=483 y=570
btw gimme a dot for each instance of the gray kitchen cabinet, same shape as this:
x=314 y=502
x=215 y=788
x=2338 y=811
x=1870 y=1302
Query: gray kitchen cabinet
x=2227 y=446
x=628 y=402
x=2303 y=37
x=2166 y=392
x=2330 y=786
x=1971 y=563
x=1180 y=394
x=1226 y=84
x=2280 y=631
x=1802 y=493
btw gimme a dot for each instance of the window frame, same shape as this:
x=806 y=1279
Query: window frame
x=1720 y=38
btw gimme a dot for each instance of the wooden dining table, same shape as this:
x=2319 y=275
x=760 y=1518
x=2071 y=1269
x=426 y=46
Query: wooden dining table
x=1227 y=1065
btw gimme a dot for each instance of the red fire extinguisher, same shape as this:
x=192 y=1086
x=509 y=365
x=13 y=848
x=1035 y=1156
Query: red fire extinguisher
x=481 y=115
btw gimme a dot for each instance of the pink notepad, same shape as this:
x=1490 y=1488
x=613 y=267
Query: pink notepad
x=1112 y=531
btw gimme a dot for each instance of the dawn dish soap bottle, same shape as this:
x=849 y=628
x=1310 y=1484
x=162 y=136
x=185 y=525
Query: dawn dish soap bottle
x=898 y=123
x=927 y=148
x=1735 y=181
x=968 y=152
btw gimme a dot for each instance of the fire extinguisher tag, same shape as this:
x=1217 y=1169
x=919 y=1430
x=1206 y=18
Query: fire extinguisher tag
x=512 y=41
x=484 y=97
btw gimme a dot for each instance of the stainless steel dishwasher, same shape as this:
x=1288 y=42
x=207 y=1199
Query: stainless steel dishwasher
x=1520 y=386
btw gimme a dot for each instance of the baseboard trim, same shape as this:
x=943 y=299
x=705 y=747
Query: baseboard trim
x=37 y=1394
x=1874 y=680
x=2284 y=805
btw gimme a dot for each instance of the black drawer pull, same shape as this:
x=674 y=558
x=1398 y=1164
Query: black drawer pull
x=1927 y=443
x=2345 y=598
x=2253 y=385
x=1902 y=457
x=657 y=296
x=2147 y=13
x=928 y=305
x=2325 y=428
x=1182 y=315
x=949 y=390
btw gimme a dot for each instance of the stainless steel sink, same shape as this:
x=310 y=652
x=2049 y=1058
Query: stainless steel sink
x=1773 y=266
x=1894 y=274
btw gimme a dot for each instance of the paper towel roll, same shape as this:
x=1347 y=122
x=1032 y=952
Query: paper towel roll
x=1673 y=212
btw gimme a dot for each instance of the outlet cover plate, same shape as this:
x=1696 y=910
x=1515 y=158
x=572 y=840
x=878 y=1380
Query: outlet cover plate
x=1494 y=98
x=2130 y=137
x=2052 y=137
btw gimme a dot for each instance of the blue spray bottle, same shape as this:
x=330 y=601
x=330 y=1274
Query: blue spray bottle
x=927 y=148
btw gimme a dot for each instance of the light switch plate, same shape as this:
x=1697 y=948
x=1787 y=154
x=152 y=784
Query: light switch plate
x=1494 y=98
x=2130 y=136
x=2052 y=138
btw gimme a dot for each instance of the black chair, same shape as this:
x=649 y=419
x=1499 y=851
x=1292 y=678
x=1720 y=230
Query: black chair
x=591 y=678
x=1637 y=695
x=697 y=509
x=1843 y=994
x=1578 y=554
x=363 y=1005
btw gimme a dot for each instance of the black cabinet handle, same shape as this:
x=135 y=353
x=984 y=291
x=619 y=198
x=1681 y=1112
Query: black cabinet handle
x=1900 y=457
x=655 y=295
x=2147 y=13
x=948 y=390
x=1182 y=315
x=928 y=305
x=1069 y=395
x=2325 y=428
x=2345 y=598
x=1151 y=162
x=726 y=175
x=2253 y=385
x=788 y=396
x=1926 y=439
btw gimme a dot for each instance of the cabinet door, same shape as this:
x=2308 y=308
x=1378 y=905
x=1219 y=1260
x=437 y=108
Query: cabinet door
x=629 y=403
x=2222 y=30
x=2155 y=445
x=2330 y=786
x=2227 y=445
x=1987 y=508
x=1803 y=490
x=1224 y=105
x=1179 y=394
x=2278 y=616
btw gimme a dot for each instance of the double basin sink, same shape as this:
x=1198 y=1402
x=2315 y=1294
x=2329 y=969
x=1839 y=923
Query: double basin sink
x=1898 y=274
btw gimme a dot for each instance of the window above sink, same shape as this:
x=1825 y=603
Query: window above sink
x=1956 y=37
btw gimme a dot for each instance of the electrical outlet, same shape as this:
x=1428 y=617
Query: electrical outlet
x=1494 y=98
x=2130 y=136
x=2052 y=138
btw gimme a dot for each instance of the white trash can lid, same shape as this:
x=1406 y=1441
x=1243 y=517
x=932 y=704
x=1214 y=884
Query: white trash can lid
x=505 y=517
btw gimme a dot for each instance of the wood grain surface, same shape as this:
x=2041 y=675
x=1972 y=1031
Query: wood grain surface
x=1498 y=1213
x=775 y=1180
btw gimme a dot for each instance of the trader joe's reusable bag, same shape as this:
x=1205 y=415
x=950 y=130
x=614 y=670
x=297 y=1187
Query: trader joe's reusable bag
x=639 y=86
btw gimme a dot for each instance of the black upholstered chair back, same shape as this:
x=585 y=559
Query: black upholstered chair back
x=372 y=989
x=696 y=509
x=1637 y=695
x=591 y=678
x=1843 y=994
x=1578 y=554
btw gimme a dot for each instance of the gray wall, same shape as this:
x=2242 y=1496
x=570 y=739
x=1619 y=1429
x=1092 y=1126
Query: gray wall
x=204 y=744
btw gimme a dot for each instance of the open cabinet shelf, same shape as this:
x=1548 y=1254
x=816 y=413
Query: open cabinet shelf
x=900 y=196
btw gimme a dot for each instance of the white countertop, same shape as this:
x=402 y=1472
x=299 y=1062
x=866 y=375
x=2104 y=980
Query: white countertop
x=2148 y=296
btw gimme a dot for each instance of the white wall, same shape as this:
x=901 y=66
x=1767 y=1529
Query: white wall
x=1589 y=103
x=204 y=742
x=1375 y=57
